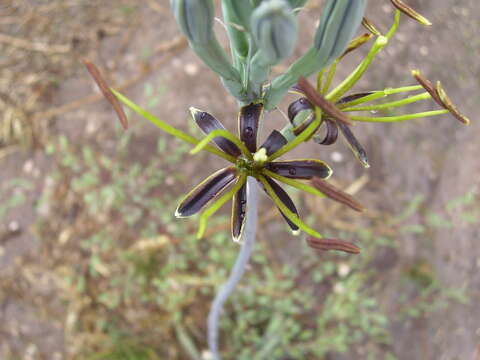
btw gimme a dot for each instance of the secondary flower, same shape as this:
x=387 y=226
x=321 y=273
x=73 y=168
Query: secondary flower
x=249 y=160
x=313 y=105
x=331 y=123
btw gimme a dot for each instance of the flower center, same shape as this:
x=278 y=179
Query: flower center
x=251 y=167
x=260 y=157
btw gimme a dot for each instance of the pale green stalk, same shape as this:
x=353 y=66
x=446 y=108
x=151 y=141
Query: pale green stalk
x=353 y=78
x=399 y=118
x=380 y=94
x=168 y=128
x=330 y=76
x=392 y=104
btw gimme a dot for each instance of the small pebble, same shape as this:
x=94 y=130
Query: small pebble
x=336 y=157
x=191 y=69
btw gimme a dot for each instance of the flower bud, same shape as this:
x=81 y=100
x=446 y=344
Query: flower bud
x=338 y=24
x=195 y=18
x=274 y=28
x=295 y=4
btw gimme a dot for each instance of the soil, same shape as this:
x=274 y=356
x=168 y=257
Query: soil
x=436 y=158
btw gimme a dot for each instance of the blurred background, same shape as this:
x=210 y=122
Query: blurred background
x=93 y=264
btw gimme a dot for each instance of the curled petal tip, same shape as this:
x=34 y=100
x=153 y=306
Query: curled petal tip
x=194 y=110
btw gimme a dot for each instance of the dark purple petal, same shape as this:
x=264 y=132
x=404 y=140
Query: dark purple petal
x=283 y=196
x=298 y=106
x=248 y=120
x=347 y=99
x=207 y=123
x=301 y=128
x=332 y=133
x=205 y=191
x=274 y=142
x=357 y=149
x=300 y=169
x=239 y=208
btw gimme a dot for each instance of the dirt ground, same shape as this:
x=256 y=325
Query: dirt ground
x=433 y=159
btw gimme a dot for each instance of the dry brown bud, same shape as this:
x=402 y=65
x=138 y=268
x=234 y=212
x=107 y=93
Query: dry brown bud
x=336 y=194
x=109 y=96
x=409 y=11
x=333 y=244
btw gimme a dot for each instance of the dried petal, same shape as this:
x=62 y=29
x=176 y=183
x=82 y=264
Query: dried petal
x=103 y=86
x=336 y=194
x=315 y=98
x=440 y=96
x=449 y=105
x=370 y=26
x=409 y=11
x=357 y=43
x=333 y=244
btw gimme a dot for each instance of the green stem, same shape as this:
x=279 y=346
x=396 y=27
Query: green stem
x=351 y=80
x=380 y=94
x=392 y=104
x=330 y=76
x=400 y=117
x=320 y=76
x=168 y=128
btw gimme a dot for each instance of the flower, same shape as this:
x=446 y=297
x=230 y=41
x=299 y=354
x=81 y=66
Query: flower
x=303 y=111
x=249 y=160
x=332 y=123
